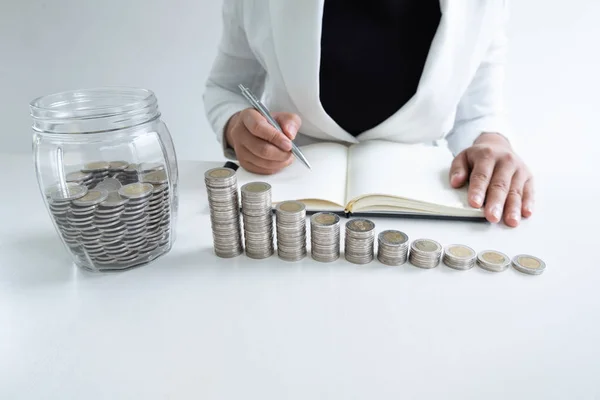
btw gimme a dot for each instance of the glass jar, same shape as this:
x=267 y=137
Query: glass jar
x=107 y=171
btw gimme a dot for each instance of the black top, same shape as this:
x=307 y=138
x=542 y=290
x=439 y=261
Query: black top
x=375 y=49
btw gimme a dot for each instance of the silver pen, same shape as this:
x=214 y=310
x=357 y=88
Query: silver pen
x=261 y=108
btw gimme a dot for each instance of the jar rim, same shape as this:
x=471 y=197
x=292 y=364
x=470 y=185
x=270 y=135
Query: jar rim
x=57 y=101
x=94 y=109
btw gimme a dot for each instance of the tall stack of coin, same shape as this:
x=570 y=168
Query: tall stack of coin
x=135 y=215
x=459 y=257
x=111 y=228
x=392 y=247
x=493 y=261
x=360 y=241
x=159 y=209
x=325 y=237
x=425 y=253
x=258 y=220
x=60 y=206
x=81 y=219
x=291 y=230
x=223 y=200
x=98 y=169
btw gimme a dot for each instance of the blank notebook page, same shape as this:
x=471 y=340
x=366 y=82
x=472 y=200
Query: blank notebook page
x=414 y=171
x=326 y=180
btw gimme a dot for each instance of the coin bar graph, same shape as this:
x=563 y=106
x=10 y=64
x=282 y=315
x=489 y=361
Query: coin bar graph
x=258 y=238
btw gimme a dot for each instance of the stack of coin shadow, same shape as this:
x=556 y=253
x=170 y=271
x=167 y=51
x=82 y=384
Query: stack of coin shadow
x=291 y=230
x=223 y=200
x=425 y=253
x=392 y=248
x=325 y=237
x=460 y=257
x=360 y=241
x=258 y=220
x=114 y=226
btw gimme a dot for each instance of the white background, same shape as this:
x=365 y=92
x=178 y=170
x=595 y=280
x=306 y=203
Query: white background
x=192 y=326
x=168 y=46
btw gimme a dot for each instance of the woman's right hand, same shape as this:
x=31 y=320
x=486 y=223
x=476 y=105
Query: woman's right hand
x=259 y=147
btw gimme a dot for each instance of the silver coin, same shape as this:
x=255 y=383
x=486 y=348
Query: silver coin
x=96 y=166
x=78 y=176
x=155 y=177
x=118 y=165
x=136 y=190
x=528 y=264
x=459 y=257
x=68 y=193
x=109 y=184
x=91 y=198
x=493 y=261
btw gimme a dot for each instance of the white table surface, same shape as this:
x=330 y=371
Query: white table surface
x=193 y=326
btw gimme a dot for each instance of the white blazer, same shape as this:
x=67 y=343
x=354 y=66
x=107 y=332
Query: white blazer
x=273 y=47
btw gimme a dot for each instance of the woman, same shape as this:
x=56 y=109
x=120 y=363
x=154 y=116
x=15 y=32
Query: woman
x=400 y=70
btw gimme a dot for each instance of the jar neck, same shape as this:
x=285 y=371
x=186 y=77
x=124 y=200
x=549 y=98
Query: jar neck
x=93 y=110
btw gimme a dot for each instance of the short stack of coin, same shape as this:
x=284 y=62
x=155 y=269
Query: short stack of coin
x=116 y=168
x=425 y=253
x=528 y=264
x=81 y=178
x=98 y=169
x=458 y=256
x=291 y=230
x=129 y=174
x=258 y=220
x=392 y=247
x=360 y=241
x=159 y=208
x=325 y=237
x=223 y=200
x=493 y=261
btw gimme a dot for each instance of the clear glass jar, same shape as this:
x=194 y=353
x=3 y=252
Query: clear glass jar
x=107 y=170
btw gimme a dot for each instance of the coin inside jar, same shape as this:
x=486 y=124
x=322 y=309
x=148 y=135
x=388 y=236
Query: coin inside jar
x=91 y=198
x=136 y=190
x=69 y=192
x=96 y=166
x=155 y=177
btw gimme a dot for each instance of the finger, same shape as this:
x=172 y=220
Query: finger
x=512 y=210
x=528 y=198
x=479 y=180
x=268 y=165
x=459 y=170
x=263 y=149
x=497 y=192
x=290 y=123
x=260 y=127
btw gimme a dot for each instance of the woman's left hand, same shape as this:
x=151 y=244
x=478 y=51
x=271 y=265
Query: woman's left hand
x=497 y=178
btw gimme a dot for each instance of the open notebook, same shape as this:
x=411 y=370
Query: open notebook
x=373 y=177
